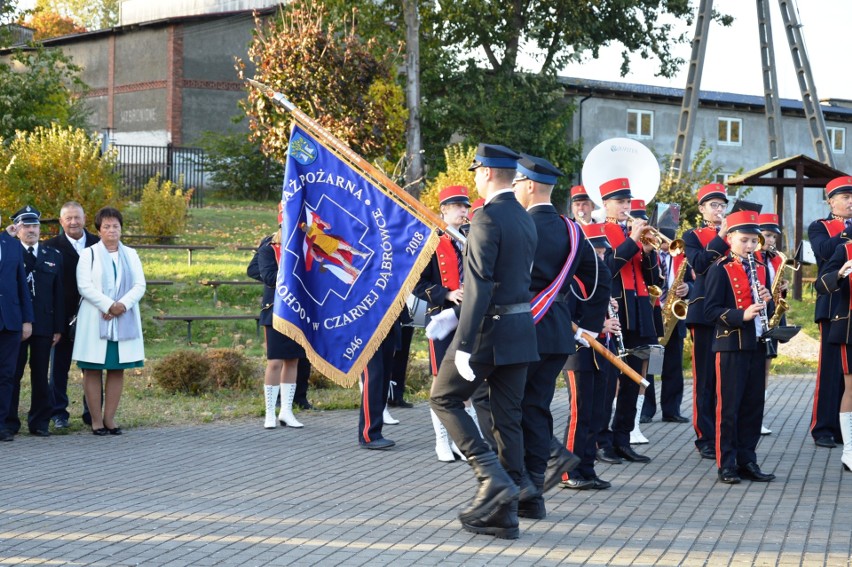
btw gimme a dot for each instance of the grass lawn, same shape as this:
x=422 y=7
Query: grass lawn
x=228 y=225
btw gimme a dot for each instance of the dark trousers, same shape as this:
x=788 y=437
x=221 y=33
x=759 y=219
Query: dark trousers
x=482 y=404
x=437 y=351
x=604 y=433
x=671 y=378
x=59 y=377
x=10 y=343
x=506 y=387
x=37 y=349
x=303 y=374
x=825 y=419
x=537 y=421
x=704 y=386
x=375 y=380
x=588 y=395
x=739 y=400
x=628 y=392
x=400 y=365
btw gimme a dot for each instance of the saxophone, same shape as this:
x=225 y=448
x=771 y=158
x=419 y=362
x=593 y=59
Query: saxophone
x=781 y=305
x=674 y=309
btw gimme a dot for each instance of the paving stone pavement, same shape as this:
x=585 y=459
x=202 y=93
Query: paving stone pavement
x=236 y=494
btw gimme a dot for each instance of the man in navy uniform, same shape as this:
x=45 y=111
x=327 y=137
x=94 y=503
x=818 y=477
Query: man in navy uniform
x=561 y=255
x=737 y=300
x=634 y=267
x=826 y=235
x=704 y=245
x=43 y=266
x=73 y=240
x=495 y=341
x=16 y=318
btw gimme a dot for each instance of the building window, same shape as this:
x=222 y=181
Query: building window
x=730 y=132
x=640 y=123
x=837 y=139
x=722 y=178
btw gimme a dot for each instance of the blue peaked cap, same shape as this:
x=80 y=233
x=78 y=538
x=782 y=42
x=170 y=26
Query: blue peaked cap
x=490 y=155
x=537 y=169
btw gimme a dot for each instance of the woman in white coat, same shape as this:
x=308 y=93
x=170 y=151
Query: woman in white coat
x=109 y=328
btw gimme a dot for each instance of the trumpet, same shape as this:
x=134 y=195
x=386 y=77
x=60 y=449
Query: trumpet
x=655 y=239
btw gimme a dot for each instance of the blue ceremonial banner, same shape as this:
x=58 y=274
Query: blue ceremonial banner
x=350 y=255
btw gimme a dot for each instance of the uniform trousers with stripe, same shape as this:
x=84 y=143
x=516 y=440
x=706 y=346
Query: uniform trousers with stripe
x=610 y=376
x=537 y=422
x=739 y=405
x=506 y=388
x=704 y=386
x=588 y=413
x=825 y=419
x=375 y=381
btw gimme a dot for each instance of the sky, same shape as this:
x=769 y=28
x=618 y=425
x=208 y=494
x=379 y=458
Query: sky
x=732 y=60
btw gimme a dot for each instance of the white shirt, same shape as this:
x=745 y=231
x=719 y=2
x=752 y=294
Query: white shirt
x=500 y=192
x=35 y=248
x=78 y=244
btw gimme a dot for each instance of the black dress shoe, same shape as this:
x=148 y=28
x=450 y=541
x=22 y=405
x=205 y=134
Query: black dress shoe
x=114 y=431
x=729 y=476
x=676 y=419
x=100 y=432
x=378 y=444
x=579 y=484
x=827 y=442
x=607 y=455
x=303 y=404
x=751 y=471
x=400 y=404
x=39 y=432
x=6 y=435
x=645 y=419
x=707 y=453
x=601 y=484
x=628 y=454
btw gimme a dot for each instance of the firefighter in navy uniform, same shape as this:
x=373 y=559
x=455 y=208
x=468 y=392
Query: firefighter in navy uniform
x=826 y=235
x=495 y=341
x=634 y=267
x=561 y=255
x=738 y=300
x=703 y=246
x=440 y=286
x=590 y=379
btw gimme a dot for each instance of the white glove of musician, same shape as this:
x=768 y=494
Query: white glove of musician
x=462 y=361
x=578 y=336
x=442 y=325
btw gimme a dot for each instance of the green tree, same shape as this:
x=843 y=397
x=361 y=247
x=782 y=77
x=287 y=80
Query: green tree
x=701 y=172
x=239 y=169
x=90 y=14
x=323 y=66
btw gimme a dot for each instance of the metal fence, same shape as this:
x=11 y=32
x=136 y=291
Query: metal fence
x=138 y=164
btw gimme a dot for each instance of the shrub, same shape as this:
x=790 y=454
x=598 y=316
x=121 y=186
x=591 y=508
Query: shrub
x=50 y=166
x=458 y=159
x=164 y=207
x=183 y=371
x=231 y=369
x=238 y=169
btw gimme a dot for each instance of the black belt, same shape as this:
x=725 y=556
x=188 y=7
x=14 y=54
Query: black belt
x=510 y=309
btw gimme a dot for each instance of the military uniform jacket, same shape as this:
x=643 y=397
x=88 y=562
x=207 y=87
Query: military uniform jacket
x=553 y=331
x=826 y=236
x=703 y=247
x=48 y=311
x=16 y=305
x=632 y=272
x=586 y=359
x=830 y=282
x=70 y=295
x=669 y=275
x=728 y=294
x=497 y=259
x=439 y=278
x=264 y=268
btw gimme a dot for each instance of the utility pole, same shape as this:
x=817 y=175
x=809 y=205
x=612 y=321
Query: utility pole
x=413 y=144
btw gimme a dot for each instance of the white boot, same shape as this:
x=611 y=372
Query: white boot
x=846 y=431
x=271 y=394
x=285 y=416
x=442 y=441
x=763 y=429
x=388 y=418
x=471 y=411
x=636 y=437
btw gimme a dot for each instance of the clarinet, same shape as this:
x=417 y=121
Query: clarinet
x=619 y=340
x=756 y=296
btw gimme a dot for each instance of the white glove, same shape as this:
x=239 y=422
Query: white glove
x=442 y=325
x=462 y=361
x=578 y=336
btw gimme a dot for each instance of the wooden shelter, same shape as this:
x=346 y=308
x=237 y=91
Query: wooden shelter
x=806 y=172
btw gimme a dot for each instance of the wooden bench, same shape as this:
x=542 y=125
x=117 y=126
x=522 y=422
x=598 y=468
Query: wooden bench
x=216 y=283
x=159 y=282
x=188 y=319
x=188 y=247
x=149 y=238
x=252 y=248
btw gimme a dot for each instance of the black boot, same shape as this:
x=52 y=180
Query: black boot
x=531 y=501
x=496 y=488
x=561 y=461
x=502 y=522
